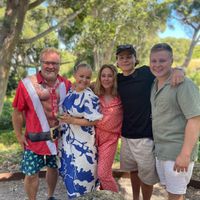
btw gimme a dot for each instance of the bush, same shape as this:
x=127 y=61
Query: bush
x=5 y=118
x=7 y=137
x=10 y=155
x=117 y=155
x=10 y=150
x=195 y=76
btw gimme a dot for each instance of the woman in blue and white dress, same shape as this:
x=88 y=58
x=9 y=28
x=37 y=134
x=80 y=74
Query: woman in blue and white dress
x=77 y=150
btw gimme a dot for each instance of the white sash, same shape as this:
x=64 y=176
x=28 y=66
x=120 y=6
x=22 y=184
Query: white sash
x=40 y=111
x=62 y=92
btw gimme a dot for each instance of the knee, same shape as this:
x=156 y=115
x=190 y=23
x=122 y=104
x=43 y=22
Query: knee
x=52 y=170
x=175 y=196
x=32 y=178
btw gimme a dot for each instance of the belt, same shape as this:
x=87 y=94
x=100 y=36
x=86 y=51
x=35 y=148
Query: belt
x=53 y=134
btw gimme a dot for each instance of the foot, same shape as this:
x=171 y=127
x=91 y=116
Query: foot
x=51 y=198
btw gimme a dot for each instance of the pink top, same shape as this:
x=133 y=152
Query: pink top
x=112 y=116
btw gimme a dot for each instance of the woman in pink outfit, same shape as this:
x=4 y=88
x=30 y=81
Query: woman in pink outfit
x=108 y=130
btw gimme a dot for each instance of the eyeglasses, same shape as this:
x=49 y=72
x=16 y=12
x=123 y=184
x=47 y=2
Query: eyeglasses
x=50 y=63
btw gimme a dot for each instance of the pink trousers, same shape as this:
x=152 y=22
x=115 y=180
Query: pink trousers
x=107 y=145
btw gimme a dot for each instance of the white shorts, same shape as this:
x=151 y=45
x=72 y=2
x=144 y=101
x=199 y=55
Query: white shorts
x=175 y=182
x=138 y=155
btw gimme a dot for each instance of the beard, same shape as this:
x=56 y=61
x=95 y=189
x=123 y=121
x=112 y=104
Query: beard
x=50 y=76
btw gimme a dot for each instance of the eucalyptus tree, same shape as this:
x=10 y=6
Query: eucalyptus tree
x=12 y=26
x=108 y=23
x=187 y=12
x=180 y=48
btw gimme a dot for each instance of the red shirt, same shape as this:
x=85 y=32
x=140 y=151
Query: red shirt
x=23 y=103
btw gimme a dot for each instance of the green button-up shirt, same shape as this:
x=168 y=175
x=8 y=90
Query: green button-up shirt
x=171 y=108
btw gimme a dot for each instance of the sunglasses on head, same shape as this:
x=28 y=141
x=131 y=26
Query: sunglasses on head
x=125 y=46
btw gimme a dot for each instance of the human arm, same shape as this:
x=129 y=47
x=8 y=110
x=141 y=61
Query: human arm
x=77 y=121
x=192 y=131
x=17 y=120
x=178 y=75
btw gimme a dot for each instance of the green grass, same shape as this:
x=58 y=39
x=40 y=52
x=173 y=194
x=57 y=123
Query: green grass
x=11 y=154
x=7 y=137
x=117 y=155
x=10 y=150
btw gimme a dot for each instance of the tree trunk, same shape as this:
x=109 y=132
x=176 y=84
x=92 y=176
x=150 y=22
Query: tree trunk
x=10 y=33
x=97 y=58
x=4 y=74
x=195 y=40
x=110 y=48
x=189 y=55
x=108 y=54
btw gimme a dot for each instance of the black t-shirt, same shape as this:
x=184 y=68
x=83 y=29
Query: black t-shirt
x=134 y=91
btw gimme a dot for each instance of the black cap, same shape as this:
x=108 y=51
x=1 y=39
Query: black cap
x=126 y=47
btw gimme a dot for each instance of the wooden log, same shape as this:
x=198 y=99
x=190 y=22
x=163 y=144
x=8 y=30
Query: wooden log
x=117 y=173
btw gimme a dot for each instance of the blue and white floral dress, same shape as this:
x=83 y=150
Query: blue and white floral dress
x=77 y=150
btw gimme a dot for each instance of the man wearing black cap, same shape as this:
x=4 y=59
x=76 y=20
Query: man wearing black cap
x=137 y=150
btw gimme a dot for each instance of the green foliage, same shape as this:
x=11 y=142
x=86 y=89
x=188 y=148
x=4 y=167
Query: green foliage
x=10 y=154
x=196 y=52
x=10 y=150
x=101 y=28
x=68 y=62
x=188 y=12
x=180 y=47
x=195 y=76
x=7 y=137
x=117 y=155
x=5 y=118
x=15 y=75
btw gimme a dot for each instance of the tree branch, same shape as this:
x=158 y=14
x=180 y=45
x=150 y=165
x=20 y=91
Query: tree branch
x=189 y=23
x=35 y=4
x=185 y=21
x=52 y=28
x=20 y=17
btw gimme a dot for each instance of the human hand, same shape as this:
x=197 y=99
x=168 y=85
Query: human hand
x=178 y=76
x=182 y=162
x=67 y=119
x=60 y=117
x=22 y=141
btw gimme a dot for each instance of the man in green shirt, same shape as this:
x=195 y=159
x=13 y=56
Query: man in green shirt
x=176 y=123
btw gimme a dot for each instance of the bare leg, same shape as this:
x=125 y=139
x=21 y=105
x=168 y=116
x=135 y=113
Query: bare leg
x=51 y=178
x=146 y=191
x=135 y=183
x=175 y=196
x=31 y=184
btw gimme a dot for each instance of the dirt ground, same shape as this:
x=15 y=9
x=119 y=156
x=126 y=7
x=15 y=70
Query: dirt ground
x=13 y=190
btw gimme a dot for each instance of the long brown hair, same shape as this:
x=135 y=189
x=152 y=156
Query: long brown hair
x=99 y=90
